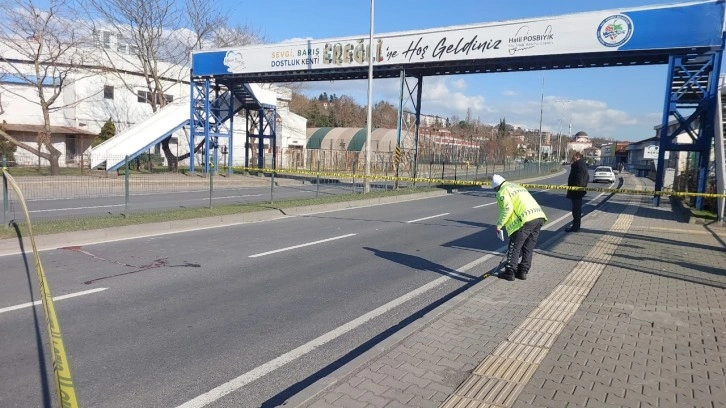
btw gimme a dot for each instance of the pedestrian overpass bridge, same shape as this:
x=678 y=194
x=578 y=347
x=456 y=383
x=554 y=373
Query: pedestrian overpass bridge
x=688 y=36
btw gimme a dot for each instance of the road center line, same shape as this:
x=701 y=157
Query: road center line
x=484 y=205
x=427 y=218
x=56 y=298
x=300 y=246
x=77 y=208
x=225 y=197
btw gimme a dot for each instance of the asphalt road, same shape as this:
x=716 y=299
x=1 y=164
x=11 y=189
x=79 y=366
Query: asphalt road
x=244 y=315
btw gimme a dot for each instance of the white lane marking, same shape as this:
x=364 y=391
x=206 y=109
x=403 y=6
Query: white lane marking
x=357 y=207
x=77 y=208
x=233 y=196
x=121 y=205
x=427 y=218
x=483 y=205
x=301 y=245
x=37 y=302
x=137 y=194
x=260 y=371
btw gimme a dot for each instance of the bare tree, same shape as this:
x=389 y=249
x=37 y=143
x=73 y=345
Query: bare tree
x=236 y=36
x=385 y=115
x=40 y=50
x=158 y=43
x=161 y=34
x=204 y=21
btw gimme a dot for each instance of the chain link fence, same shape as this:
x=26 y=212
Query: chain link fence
x=145 y=184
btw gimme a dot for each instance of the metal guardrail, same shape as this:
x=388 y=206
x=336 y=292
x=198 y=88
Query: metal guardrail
x=120 y=193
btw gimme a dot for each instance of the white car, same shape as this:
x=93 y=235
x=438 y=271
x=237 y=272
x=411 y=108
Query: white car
x=603 y=173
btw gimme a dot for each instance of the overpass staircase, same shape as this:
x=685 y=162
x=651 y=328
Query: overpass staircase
x=213 y=112
x=210 y=118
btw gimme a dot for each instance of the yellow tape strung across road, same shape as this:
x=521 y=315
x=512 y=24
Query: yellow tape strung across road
x=482 y=183
x=61 y=367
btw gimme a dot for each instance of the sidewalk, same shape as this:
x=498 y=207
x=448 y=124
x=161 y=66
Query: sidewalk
x=630 y=311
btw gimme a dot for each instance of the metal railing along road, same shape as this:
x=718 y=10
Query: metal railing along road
x=130 y=190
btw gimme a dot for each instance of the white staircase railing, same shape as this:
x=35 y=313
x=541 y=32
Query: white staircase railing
x=141 y=136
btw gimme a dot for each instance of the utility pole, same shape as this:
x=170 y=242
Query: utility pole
x=367 y=187
x=541 y=109
x=562 y=118
x=559 y=141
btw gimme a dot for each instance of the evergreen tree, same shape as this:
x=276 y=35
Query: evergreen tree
x=502 y=128
x=107 y=131
x=7 y=149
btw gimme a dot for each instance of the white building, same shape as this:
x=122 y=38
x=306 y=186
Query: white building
x=432 y=121
x=580 y=142
x=110 y=86
x=88 y=96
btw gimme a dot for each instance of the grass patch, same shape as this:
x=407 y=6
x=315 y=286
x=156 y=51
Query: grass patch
x=704 y=215
x=92 y=223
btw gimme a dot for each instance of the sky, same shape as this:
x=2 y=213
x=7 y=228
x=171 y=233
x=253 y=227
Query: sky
x=623 y=103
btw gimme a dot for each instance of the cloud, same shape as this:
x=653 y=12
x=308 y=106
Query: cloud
x=297 y=40
x=509 y=93
x=459 y=84
x=446 y=98
x=440 y=96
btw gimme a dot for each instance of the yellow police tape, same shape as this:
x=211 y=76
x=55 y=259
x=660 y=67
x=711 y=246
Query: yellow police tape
x=482 y=183
x=61 y=366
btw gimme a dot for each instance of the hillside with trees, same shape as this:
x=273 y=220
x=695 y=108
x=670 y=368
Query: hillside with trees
x=494 y=141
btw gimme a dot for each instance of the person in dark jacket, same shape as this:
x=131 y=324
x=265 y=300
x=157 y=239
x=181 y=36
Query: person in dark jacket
x=579 y=177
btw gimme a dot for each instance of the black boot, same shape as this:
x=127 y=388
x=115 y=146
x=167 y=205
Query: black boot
x=520 y=274
x=507 y=274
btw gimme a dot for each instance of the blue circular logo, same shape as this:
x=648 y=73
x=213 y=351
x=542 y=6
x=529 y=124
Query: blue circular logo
x=615 y=30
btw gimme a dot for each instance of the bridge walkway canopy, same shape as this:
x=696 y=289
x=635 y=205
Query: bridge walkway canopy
x=687 y=36
x=616 y=37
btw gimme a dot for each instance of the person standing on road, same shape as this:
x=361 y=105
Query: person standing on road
x=522 y=217
x=579 y=177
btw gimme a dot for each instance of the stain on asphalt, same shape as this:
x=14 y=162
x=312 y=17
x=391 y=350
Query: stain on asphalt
x=155 y=264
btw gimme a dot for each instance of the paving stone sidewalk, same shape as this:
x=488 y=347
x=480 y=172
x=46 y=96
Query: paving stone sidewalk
x=631 y=311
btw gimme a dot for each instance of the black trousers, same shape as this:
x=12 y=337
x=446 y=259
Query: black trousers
x=576 y=212
x=522 y=243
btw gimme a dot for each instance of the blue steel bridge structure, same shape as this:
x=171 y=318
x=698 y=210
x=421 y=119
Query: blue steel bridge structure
x=688 y=37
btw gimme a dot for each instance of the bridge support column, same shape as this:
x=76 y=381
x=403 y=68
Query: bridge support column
x=689 y=108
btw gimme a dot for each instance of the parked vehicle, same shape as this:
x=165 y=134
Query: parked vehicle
x=603 y=173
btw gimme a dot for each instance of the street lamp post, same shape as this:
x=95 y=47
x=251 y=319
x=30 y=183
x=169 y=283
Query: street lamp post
x=367 y=186
x=559 y=141
x=541 y=109
x=562 y=117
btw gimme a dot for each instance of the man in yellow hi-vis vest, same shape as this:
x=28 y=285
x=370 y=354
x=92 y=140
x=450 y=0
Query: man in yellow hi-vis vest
x=523 y=218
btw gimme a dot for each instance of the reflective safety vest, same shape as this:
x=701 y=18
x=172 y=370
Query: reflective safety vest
x=516 y=207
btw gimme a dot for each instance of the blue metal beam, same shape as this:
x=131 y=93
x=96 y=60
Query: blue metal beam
x=691 y=101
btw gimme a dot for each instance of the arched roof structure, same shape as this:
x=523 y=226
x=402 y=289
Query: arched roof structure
x=353 y=139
